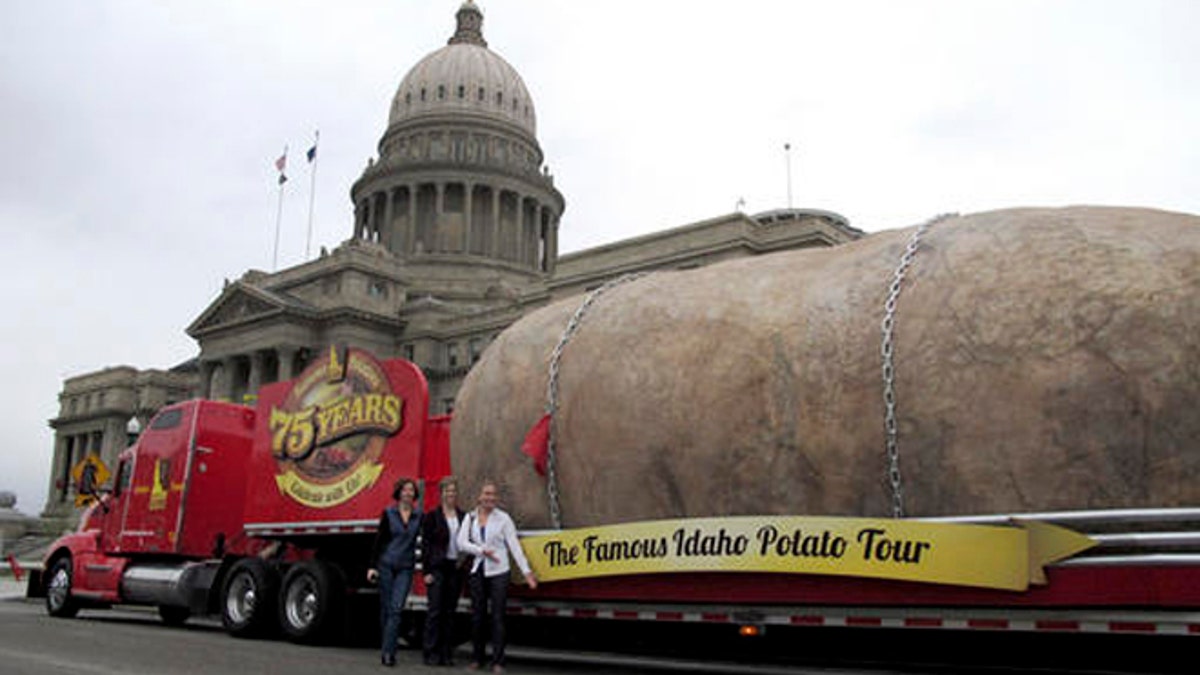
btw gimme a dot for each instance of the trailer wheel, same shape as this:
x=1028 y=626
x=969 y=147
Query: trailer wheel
x=59 y=601
x=310 y=602
x=248 y=598
x=174 y=616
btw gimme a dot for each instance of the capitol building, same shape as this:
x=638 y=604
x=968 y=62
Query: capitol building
x=455 y=237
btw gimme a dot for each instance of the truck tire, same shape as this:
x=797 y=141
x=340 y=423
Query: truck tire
x=248 y=598
x=311 y=601
x=59 y=601
x=173 y=615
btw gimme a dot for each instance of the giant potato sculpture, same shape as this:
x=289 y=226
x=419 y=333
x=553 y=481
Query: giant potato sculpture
x=1045 y=359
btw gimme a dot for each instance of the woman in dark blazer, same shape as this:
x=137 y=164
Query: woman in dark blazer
x=443 y=578
x=392 y=560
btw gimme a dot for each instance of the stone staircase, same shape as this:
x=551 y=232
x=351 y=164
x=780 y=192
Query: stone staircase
x=30 y=548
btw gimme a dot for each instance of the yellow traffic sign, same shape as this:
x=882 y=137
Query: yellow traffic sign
x=89 y=474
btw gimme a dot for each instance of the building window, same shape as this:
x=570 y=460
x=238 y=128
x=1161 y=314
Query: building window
x=481 y=93
x=474 y=349
x=499 y=98
x=441 y=91
x=422 y=93
x=462 y=91
x=447 y=406
x=377 y=288
x=409 y=352
x=451 y=354
x=100 y=399
x=408 y=98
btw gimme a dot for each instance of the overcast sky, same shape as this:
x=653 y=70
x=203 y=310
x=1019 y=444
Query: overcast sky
x=137 y=136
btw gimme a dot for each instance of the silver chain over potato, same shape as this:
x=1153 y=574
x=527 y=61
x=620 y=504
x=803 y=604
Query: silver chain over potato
x=887 y=351
x=552 y=389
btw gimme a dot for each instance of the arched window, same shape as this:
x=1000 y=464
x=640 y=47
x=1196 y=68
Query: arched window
x=462 y=91
x=499 y=98
x=481 y=93
x=422 y=93
x=441 y=91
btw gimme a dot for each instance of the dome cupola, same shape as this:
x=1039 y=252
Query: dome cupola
x=464 y=77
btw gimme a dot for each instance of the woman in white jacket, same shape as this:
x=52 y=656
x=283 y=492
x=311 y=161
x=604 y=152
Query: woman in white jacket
x=490 y=536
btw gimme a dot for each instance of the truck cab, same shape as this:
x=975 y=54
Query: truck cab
x=187 y=461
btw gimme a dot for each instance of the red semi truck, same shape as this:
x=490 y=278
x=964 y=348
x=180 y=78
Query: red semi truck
x=265 y=516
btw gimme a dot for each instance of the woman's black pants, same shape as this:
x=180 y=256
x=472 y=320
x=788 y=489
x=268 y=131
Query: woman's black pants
x=443 y=595
x=488 y=593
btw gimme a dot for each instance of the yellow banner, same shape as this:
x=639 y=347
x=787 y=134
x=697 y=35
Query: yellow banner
x=1003 y=557
x=322 y=496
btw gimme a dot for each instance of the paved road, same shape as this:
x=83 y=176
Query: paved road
x=134 y=642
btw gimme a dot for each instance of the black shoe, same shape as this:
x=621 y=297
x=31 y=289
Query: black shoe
x=389 y=660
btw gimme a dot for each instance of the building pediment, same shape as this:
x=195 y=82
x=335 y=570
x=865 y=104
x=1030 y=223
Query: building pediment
x=241 y=303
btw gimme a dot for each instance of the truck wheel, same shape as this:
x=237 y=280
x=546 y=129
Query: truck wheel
x=311 y=601
x=59 y=601
x=248 y=598
x=174 y=616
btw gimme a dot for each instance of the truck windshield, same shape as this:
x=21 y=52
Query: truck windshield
x=168 y=419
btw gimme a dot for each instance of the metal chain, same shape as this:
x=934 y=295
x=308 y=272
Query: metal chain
x=552 y=389
x=887 y=351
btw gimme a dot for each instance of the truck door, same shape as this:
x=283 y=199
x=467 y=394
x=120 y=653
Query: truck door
x=152 y=513
x=110 y=535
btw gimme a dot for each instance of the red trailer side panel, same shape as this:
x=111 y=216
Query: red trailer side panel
x=435 y=458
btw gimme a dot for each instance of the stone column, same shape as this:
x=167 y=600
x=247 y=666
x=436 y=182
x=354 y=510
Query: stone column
x=360 y=217
x=468 y=202
x=78 y=450
x=494 y=244
x=439 y=209
x=388 y=219
x=256 y=372
x=286 y=356
x=410 y=234
x=229 y=372
x=377 y=223
x=207 y=368
x=523 y=230
x=57 y=470
x=552 y=244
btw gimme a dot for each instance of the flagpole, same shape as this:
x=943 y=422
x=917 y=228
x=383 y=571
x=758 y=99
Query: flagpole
x=281 y=165
x=312 y=191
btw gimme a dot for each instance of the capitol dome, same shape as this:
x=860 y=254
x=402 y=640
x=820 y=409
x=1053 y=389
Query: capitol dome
x=459 y=185
x=464 y=78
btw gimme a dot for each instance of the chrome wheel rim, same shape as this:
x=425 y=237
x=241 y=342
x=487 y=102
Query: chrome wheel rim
x=59 y=588
x=242 y=599
x=302 y=603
